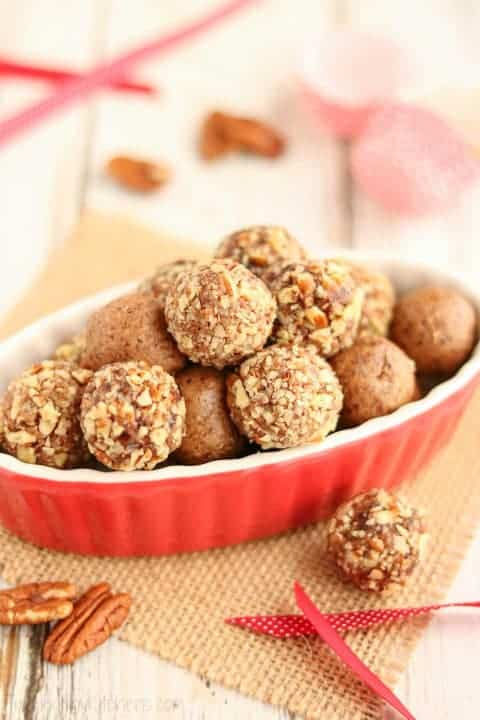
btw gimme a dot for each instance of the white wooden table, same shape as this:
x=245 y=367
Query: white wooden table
x=49 y=176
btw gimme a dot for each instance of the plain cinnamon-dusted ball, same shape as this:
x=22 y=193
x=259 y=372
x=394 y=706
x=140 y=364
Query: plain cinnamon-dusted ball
x=284 y=396
x=376 y=377
x=132 y=327
x=376 y=540
x=219 y=313
x=260 y=247
x=163 y=278
x=210 y=433
x=437 y=327
x=378 y=302
x=40 y=415
x=132 y=415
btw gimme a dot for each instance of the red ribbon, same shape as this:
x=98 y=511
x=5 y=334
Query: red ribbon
x=56 y=75
x=328 y=626
x=295 y=626
x=106 y=73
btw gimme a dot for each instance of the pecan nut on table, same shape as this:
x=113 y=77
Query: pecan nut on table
x=96 y=615
x=84 y=624
x=138 y=174
x=36 y=603
x=223 y=133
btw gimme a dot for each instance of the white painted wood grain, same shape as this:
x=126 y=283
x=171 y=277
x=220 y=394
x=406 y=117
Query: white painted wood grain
x=42 y=173
x=247 y=66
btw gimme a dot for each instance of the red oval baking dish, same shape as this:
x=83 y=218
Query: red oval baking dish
x=183 y=508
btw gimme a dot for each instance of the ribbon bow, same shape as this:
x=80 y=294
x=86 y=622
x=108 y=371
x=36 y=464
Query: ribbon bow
x=328 y=626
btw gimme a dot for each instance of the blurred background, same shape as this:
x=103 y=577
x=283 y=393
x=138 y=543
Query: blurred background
x=251 y=64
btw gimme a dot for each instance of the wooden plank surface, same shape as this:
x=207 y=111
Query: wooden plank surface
x=258 y=53
x=42 y=175
x=48 y=177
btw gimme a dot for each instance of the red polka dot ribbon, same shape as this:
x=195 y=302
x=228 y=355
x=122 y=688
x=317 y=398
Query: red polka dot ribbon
x=295 y=626
x=329 y=625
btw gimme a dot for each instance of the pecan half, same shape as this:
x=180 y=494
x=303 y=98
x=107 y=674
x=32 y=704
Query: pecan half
x=96 y=615
x=213 y=143
x=224 y=133
x=36 y=603
x=137 y=174
x=255 y=136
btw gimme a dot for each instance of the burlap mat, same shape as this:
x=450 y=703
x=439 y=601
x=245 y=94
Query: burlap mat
x=180 y=602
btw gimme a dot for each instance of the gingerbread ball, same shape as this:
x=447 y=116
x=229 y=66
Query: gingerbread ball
x=376 y=539
x=72 y=350
x=378 y=301
x=376 y=378
x=319 y=302
x=163 y=278
x=259 y=247
x=210 y=433
x=284 y=396
x=219 y=313
x=437 y=327
x=132 y=327
x=40 y=412
x=132 y=415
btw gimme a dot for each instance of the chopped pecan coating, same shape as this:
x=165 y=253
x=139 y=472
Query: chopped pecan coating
x=379 y=299
x=376 y=540
x=96 y=615
x=36 y=603
x=319 y=302
x=132 y=415
x=284 y=396
x=219 y=313
x=163 y=278
x=260 y=247
x=41 y=415
x=71 y=350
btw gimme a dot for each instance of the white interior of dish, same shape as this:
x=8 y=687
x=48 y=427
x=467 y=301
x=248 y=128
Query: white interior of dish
x=38 y=340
